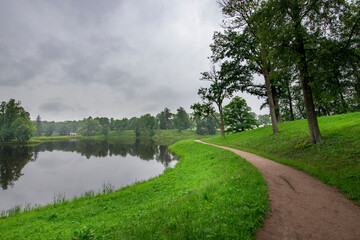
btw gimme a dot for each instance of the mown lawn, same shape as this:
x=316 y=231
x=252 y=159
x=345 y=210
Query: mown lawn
x=210 y=194
x=335 y=161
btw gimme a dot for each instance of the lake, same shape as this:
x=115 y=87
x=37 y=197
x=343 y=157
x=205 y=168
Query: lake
x=38 y=174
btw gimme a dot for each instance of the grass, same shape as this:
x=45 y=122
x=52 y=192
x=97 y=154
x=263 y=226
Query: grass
x=166 y=137
x=335 y=161
x=210 y=194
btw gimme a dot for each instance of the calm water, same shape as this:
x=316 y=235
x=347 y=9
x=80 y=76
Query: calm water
x=36 y=174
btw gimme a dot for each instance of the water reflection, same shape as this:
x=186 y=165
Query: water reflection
x=144 y=149
x=34 y=174
x=12 y=160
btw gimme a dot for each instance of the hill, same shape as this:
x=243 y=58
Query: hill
x=335 y=161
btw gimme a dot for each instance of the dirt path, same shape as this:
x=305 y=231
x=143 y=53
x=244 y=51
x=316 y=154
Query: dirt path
x=303 y=207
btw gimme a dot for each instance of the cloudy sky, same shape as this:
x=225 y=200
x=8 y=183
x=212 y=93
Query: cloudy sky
x=66 y=60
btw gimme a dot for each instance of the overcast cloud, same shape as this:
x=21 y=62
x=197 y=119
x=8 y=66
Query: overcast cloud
x=66 y=60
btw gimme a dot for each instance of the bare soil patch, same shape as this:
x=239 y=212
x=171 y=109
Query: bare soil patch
x=302 y=207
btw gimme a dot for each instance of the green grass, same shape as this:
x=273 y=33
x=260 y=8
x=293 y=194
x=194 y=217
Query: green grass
x=335 y=161
x=176 y=135
x=160 y=136
x=54 y=138
x=210 y=194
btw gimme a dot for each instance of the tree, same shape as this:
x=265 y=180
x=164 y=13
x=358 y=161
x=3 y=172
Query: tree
x=164 y=119
x=220 y=88
x=205 y=126
x=14 y=122
x=145 y=125
x=38 y=126
x=237 y=116
x=244 y=43
x=49 y=129
x=112 y=121
x=89 y=127
x=104 y=125
x=23 y=129
x=181 y=119
x=263 y=119
x=303 y=30
x=63 y=128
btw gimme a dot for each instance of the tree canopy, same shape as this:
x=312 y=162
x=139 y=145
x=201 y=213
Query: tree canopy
x=222 y=85
x=238 y=117
x=307 y=51
x=15 y=122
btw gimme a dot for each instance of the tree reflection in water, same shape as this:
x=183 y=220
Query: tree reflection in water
x=14 y=158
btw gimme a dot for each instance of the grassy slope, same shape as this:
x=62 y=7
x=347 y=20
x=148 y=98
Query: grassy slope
x=211 y=193
x=335 y=161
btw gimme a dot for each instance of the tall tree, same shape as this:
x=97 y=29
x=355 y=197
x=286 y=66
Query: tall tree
x=303 y=27
x=181 y=119
x=39 y=127
x=243 y=42
x=164 y=118
x=220 y=88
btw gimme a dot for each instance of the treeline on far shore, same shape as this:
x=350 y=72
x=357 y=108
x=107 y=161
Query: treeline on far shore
x=143 y=126
x=15 y=123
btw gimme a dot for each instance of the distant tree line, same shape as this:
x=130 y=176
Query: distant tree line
x=15 y=122
x=143 y=126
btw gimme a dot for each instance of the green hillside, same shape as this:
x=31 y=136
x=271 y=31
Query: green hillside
x=335 y=161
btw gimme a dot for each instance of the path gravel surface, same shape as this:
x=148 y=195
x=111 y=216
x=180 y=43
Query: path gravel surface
x=302 y=207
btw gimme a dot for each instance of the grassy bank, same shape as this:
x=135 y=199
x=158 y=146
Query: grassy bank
x=211 y=193
x=54 y=138
x=162 y=136
x=335 y=161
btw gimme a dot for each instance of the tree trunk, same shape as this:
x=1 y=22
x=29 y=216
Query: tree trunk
x=314 y=130
x=222 y=130
x=292 y=117
x=266 y=73
x=305 y=78
x=276 y=103
x=270 y=101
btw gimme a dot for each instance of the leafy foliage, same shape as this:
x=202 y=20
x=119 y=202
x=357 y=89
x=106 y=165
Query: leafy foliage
x=181 y=119
x=238 y=117
x=307 y=51
x=164 y=118
x=222 y=86
x=89 y=127
x=15 y=122
x=205 y=126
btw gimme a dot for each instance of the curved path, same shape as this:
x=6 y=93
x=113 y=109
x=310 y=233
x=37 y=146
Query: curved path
x=302 y=207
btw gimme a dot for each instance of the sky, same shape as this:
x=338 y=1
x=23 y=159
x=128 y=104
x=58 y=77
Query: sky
x=71 y=59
